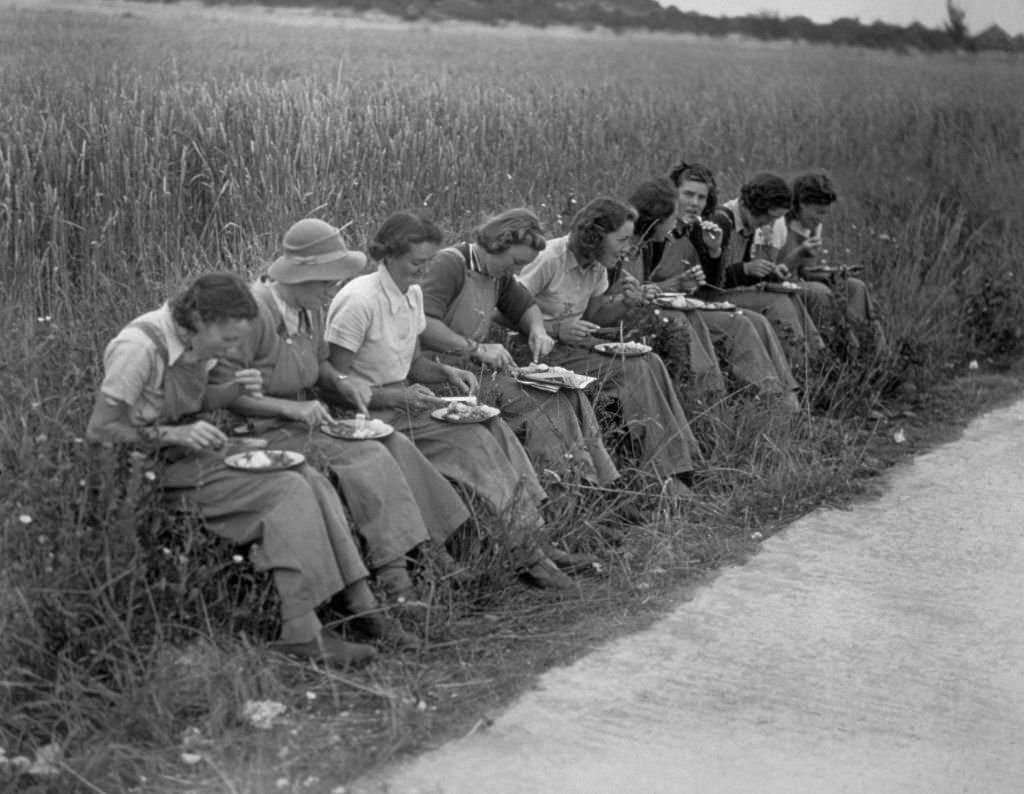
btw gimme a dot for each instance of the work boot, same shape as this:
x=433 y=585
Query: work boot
x=330 y=649
x=572 y=562
x=435 y=558
x=385 y=629
x=394 y=580
x=537 y=570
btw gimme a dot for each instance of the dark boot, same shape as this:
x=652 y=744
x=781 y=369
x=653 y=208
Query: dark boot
x=329 y=649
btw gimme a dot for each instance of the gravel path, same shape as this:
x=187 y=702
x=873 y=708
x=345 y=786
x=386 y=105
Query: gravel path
x=873 y=650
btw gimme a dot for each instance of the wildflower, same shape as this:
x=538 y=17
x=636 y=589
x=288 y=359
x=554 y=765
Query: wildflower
x=35 y=405
x=973 y=365
x=41 y=438
x=310 y=781
x=47 y=761
x=166 y=551
x=25 y=519
x=311 y=696
x=150 y=476
x=421 y=705
x=756 y=536
x=885 y=237
x=899 y=436
x=281 y=783
x=236 y=558
x=261 y=713
x=191 y=758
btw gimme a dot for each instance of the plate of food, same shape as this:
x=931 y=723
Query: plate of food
x=613 y=332
x=623 y=348
x=552 y=376
x=357 y=429
x=782 y=286
x=461 y=413
x=679 y=301
x=264 y=460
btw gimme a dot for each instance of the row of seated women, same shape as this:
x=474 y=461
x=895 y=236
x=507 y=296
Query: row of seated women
x=269 y=360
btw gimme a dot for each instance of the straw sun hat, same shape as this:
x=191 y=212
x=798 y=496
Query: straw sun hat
x=314 y=251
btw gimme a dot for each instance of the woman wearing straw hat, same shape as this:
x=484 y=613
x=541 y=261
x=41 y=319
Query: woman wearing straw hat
x=155 y=385
x=396 y=498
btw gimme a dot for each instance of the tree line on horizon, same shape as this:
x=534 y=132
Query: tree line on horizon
x=622 y=15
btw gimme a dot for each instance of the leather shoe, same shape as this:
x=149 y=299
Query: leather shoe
x=330 y=649
x=572 y=562
x=544 y=575
x=385 y=629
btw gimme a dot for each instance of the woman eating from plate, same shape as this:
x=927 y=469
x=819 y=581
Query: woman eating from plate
x=656 y=205
x=752 y=350
x=569 y=279
x=795 y=241
x=153 y=392
x=397 y=500
x=749 y=278
x=373 y=329
x=467 y=287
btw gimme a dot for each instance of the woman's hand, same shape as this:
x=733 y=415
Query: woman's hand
x=759 y=268
x=197 y=435
x=649 y=292
x=632 y=290
x=811 y=246
x=310 y=412
x=355 y=392
x=494 y=355
x=250 y=381
x=415 y=398
x=540 y=343
x=462 y=380
x=575 y=332
x=711 y=233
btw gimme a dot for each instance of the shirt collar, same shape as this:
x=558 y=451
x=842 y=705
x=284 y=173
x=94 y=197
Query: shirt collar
x=733 y=205
x=289 y=314
x=396 y=299
x=474 y=260
x=175 y=347
x=571 y=262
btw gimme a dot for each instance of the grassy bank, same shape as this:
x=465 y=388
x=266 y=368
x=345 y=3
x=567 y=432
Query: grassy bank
x=135 y=151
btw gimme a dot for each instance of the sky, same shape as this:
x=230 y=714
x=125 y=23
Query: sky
x=1009 y=14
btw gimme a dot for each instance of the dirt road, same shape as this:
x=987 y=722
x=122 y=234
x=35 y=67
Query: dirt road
x=874 y=650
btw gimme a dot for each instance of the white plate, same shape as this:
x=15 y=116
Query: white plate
x=265 y=460
x=552 y=376
x=623 y=348
x=782 y=286
x=536 y=384
x=480 y=413
x=349 y=430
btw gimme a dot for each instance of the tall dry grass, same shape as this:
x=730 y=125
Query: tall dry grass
x=135 y=152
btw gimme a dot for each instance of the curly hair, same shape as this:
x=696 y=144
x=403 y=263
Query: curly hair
x=765 y=192
x=695 y=172
x=595 y=220
x=654 y=201
x=213 y=298
x=401 y=231
x=519 y=226
x=814 y=187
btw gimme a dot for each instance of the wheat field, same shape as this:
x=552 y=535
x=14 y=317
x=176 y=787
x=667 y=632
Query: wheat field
x=139 y=146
